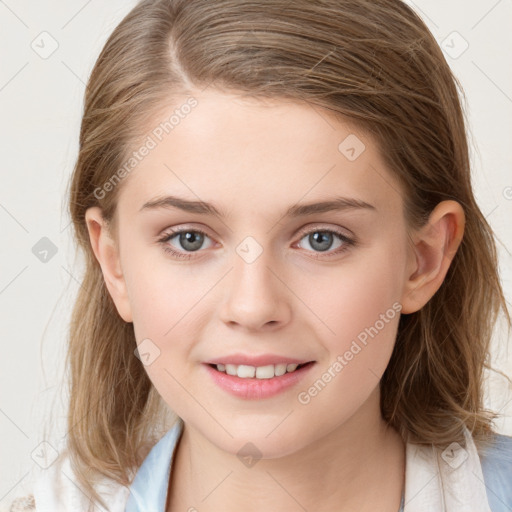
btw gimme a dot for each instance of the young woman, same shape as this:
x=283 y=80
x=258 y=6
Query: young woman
x=286 y=270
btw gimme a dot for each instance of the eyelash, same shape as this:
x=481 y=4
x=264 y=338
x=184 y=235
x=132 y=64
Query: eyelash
x=347 y=242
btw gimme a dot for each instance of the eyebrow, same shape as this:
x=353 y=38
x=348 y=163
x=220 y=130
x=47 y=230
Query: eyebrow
x=297 y=210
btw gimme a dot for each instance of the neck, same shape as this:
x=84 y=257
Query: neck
x=358 y=466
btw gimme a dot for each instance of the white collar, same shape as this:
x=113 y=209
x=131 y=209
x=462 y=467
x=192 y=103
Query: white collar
x=449 y=480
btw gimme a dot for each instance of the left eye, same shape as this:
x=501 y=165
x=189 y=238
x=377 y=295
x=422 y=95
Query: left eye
x=322 y=240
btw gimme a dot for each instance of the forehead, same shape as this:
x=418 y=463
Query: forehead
x=245 y=153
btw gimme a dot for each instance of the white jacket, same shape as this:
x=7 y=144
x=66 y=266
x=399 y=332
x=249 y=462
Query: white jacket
x=451 y=480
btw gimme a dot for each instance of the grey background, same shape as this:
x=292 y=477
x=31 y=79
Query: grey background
x=41 y=99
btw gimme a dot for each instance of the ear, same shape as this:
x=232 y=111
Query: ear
x=432 y=250
x=106 y=251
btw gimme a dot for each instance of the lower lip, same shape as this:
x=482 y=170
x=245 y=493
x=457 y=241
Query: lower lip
x=255 y=389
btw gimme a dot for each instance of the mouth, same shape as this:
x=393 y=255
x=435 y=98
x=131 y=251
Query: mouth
x=258 y=372
x=257 y=383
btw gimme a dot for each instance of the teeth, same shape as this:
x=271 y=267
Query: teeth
x=260 y=372
x=265 y=372
x=279 y=370
x=230 y=369
x=246 y=372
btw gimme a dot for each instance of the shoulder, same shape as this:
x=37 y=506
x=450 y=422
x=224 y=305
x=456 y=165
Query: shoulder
x=20 y=504
x=57 y=488
x=496 y=460
x=21 y=495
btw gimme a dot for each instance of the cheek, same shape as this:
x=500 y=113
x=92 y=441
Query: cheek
x=359 y=302
x=169 y=304
x=354 y=296
x=166 y=307
x=360 y=305
x=162 y=293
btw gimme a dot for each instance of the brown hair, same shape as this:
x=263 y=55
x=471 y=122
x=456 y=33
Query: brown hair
x=373 y=62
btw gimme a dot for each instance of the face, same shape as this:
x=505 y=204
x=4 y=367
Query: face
x=261 y=274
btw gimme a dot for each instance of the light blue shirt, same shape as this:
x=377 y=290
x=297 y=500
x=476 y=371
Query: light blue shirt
x=148 y=492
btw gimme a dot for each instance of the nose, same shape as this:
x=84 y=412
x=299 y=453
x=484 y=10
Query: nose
x=255 y=297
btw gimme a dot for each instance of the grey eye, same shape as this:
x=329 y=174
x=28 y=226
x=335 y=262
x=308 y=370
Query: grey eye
x=322 y=240
x=189 y=240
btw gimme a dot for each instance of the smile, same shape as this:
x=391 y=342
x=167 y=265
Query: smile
x=259 y=372
x=250 y=386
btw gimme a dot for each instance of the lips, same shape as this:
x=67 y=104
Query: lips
x=255 y=388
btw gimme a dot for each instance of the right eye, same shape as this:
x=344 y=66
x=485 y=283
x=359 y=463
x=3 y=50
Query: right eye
x=186 y=241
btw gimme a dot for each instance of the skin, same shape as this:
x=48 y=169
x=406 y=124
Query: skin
x=254 y=159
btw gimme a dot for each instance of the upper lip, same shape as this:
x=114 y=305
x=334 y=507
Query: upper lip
x=261 y=360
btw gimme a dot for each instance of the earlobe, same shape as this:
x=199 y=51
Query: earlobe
x=106 y=251
x=433 y=249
